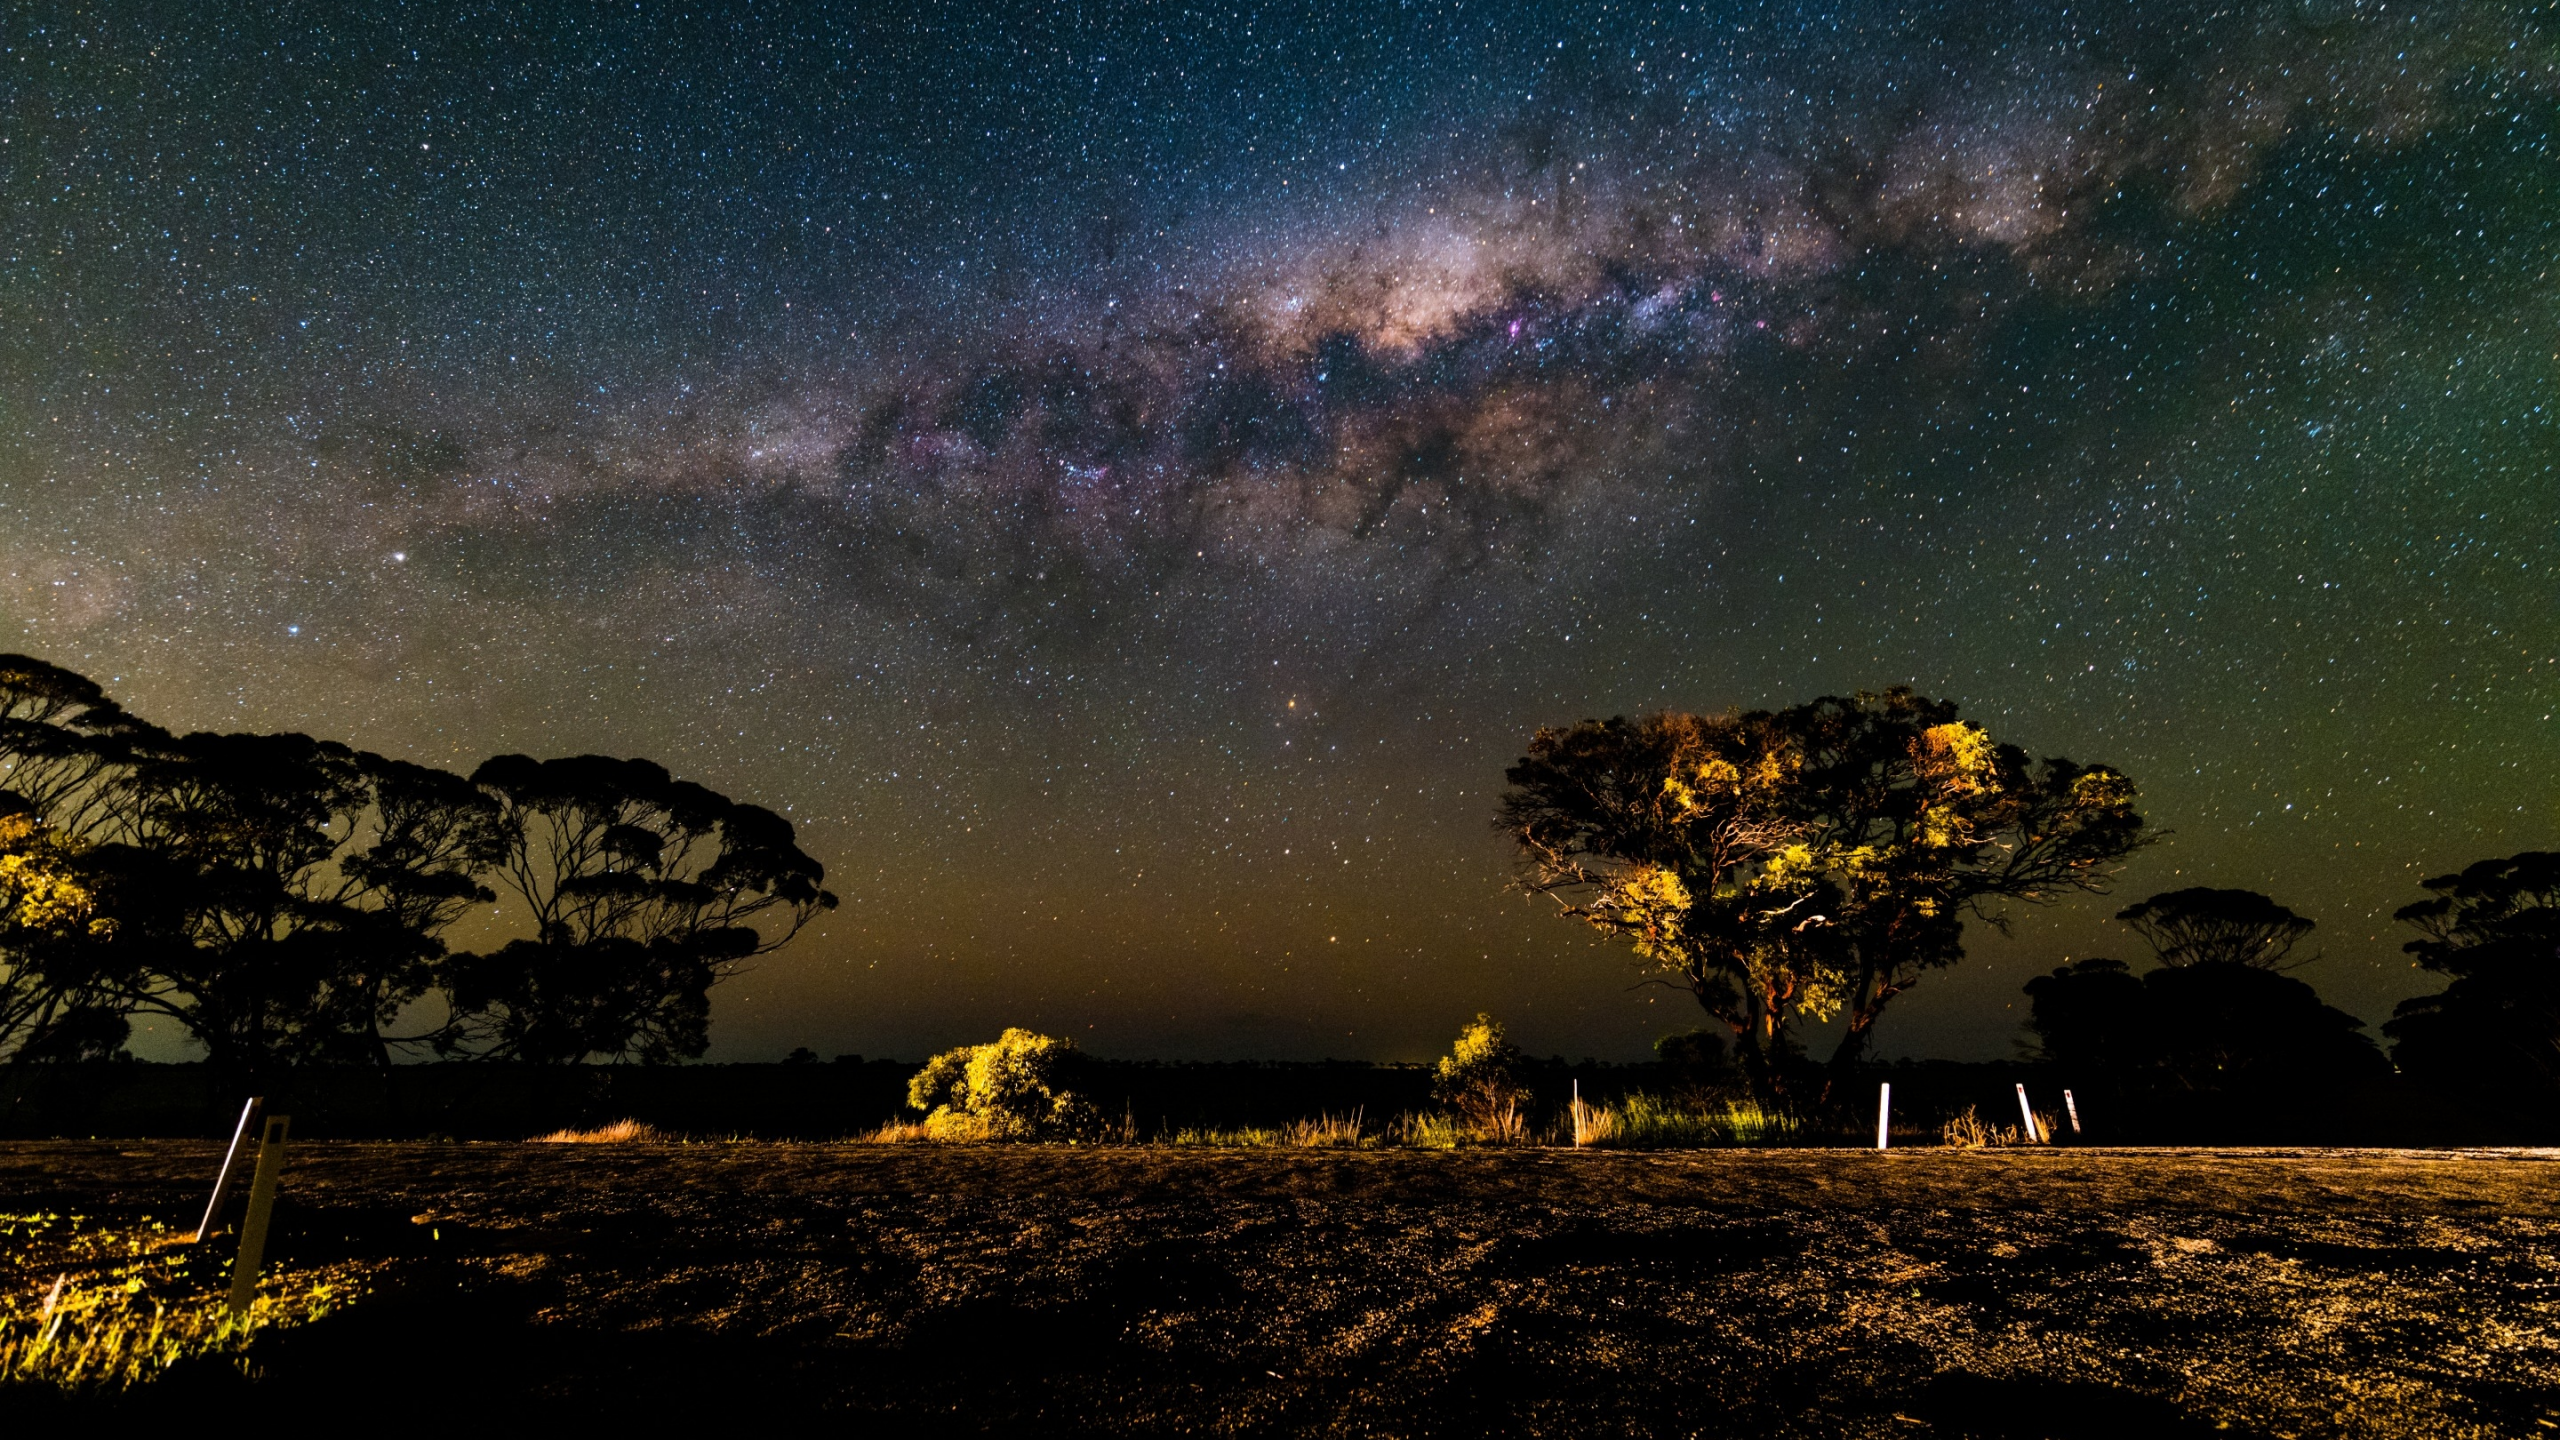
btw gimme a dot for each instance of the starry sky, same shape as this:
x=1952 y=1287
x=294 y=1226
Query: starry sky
x=1126 y=479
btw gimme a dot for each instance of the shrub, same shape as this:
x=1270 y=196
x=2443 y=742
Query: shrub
x=1013 y=1088
x=1479 y=1078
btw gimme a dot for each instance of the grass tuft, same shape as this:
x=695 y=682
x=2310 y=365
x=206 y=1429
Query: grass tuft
x=620 y=1132
x=1649 y=1122
x=1968 y=1132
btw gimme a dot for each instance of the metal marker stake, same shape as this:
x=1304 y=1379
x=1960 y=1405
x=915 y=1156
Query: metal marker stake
x=2072 y=1107
x=2034 y=1135
x=1884 y=1114
x=230 y=1165
x=253 y=1229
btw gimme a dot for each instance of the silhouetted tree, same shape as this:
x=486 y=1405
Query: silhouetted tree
x=1810 y=862
x=2222 y=1026
x=2203 y=926
x=2495 y=929
x=61 y=741
x=283 y=899
x=278 y=897
x=644 y=891
x=2091 y=1019
x=2213 y=1026
x=286 y=895
x=1694 y=1059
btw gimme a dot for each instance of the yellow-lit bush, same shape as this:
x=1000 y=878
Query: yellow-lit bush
x=1479 y=1078
x=1011 y=1089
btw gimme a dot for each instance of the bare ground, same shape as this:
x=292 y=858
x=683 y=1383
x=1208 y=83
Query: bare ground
x=904 y=1290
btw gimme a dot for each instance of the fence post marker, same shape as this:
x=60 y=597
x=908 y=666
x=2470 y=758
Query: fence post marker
x=1884 y=1114
x=230 y=1165
x=253 y=1228
x=2072 y=1108
x=2027 y=1112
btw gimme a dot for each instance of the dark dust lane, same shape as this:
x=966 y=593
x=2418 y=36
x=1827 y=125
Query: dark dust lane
x=1813 y=1293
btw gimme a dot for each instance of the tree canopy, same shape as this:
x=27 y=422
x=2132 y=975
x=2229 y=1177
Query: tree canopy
x=2494 y=928
x=2201 y=925
x=284 y=899
x=1809 y=863
x=644 y=891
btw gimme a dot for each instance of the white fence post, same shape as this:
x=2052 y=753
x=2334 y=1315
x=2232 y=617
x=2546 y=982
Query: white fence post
x=1884 y=1114
x=2071 y=1107
x=2027 y=1113
x=253 y=1229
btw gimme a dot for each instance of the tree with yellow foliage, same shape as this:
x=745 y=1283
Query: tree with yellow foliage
x=52 y=1003
x=1806 y=864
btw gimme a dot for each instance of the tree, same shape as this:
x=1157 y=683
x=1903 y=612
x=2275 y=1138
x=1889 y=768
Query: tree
x=1808 y=863
x=2091 y=1019
x=644 y=892
x=1680 y=834
x=2222 y=1026
x=52 y=1004
x=61 y=740
x=1925 y=821
x=285 y=896
x=1012 y=1089
x=2210 y=1026
x=1480 y=1078
x=2203 y=926
x=2495 y=929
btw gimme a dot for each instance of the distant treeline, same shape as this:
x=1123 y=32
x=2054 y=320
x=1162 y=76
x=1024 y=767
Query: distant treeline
x=822 y=1101
x=284 y=901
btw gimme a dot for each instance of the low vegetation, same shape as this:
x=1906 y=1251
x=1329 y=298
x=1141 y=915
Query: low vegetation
x=1014 y=1088
x=125 y=1303
x=620 y=1132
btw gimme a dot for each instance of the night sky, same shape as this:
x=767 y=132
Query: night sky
x=1125 y=481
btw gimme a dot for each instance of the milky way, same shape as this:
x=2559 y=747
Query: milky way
x=1128 y=481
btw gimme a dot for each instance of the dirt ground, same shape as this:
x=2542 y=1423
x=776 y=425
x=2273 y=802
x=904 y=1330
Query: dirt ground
x=1037 y=1291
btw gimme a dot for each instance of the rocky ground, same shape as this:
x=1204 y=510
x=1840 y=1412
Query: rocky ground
x=1033 y=1290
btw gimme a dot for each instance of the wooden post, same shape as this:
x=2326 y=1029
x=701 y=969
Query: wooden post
x=230 y=1165
x=1884 y=1114
x=253 y=1228
x=2027 y=1113
x=2071 y=1107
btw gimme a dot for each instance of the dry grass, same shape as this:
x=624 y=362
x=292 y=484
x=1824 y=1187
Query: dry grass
x=1323 y=1132
x=1647 y=1122
x=620 y=1132
x=1593 y=1124
x=1969 y=1132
